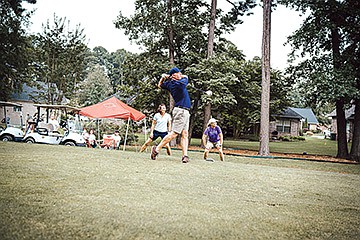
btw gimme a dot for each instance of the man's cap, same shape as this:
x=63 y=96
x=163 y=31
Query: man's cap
x=212 y=120
x=174 y=70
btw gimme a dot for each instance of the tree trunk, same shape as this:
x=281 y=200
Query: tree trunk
x=265 y=83
x=193 y=116
x=355 y=144
x=211 y=36
x=236 y=132
x=343 y=151
x=170 y=30
x=210 y=53
x=170 y=33
x=171 y=46
x=207 y=115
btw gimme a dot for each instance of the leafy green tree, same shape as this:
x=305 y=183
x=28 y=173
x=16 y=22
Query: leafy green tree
x=141 y=73
x=214 y=74
x=149 y=26
x=116 y=69
x=99 y=56
x=61 y=56
x=328 y=40
x=113 y=64
x=177 y=26
x=236 y=87
x=95 y=88
x=15 y=47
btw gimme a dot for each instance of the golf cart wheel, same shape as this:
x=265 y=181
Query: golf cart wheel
x=7 y=138
x=30 y=140
x=70 y=143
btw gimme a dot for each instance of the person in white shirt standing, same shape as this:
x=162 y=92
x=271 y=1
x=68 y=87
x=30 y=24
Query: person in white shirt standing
x=160 y=127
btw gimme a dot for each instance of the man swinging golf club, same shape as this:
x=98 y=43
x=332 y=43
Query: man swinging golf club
x=176 y=85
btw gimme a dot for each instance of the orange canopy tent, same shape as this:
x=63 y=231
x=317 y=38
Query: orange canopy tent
x=113 y=108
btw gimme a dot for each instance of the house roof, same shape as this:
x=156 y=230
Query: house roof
x=289 y=113
x=25 y=94
x=349 y=113
x=31 y=93
x=299 y=113
x=306 y=113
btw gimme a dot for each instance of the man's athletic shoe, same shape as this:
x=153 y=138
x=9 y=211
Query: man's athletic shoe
x=154 y=153
x=185 y=159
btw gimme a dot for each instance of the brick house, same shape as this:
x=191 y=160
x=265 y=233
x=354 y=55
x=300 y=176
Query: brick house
x=291 y=121
x=17 y=115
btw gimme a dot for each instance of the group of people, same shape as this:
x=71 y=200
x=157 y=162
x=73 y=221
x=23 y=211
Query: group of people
x=175 y=82
x=167 y=128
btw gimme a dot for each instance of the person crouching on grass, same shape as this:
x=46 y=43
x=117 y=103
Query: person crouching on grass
x=213 y=137
x=160 y=127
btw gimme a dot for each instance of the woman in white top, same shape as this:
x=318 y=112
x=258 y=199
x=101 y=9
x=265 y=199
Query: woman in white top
x=160 y=127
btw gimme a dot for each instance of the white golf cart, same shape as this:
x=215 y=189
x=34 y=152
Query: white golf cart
x=42 y=131
x=9 y=132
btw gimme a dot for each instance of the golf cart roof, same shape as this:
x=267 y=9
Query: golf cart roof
x=54 y=106
x=9 y=104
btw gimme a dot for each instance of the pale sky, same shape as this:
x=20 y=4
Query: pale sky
x=96 y=17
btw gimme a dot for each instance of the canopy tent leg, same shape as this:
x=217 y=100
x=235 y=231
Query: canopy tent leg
x=127 y=130
x=145 y=128
x=133 y=133
x=98 y=129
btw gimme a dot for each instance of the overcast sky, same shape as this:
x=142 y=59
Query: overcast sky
x=97 y=17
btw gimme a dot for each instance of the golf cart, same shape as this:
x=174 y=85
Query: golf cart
x=41 y=130
x=9 y=132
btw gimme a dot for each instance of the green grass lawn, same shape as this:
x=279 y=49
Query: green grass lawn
x=311 y=145
x=57 y=192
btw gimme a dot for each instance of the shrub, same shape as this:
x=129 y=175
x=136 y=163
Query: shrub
x=285 y=138
x=291 y=138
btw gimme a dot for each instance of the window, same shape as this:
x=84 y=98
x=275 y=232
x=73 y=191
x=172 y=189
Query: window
x=17 y=109
x=283 y=125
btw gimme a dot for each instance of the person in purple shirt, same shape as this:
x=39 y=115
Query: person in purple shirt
x=213 y=137
x=176 y=84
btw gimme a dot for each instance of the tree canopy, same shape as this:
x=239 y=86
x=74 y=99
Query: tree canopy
x=60 y=58
x=15 y=47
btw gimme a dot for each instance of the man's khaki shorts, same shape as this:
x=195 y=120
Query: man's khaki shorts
x=181 y=118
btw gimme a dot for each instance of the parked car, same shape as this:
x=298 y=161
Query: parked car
x=42 y=130
x=7 y=131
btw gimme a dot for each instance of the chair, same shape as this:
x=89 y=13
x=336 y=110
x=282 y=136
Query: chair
x=108 y=142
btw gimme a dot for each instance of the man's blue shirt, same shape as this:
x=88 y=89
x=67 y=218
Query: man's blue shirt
x=178 y=91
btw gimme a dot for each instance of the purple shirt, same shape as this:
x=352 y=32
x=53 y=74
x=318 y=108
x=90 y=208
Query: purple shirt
x=213 y=133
